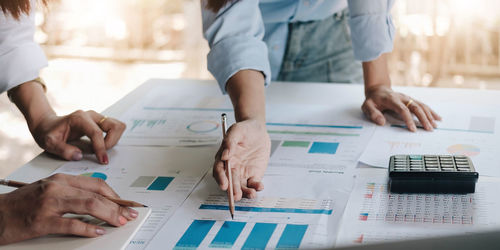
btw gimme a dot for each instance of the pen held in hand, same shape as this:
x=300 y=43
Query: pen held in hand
x=230 y=190
x=125 y=203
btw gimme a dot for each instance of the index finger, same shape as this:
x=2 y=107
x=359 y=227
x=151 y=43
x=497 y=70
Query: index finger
x=90 y=129
x=93 y=184
x=113 y=128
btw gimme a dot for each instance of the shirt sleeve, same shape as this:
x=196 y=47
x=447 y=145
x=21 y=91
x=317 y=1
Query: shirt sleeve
x=372 y=29
x=235 y=35
x=21 y=58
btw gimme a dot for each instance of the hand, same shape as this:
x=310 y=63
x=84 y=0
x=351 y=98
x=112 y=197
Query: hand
x=53 y=133
x=37 y=209
x=247 y=148
x=383 y=98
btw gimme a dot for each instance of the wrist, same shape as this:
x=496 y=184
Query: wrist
x=370 y=89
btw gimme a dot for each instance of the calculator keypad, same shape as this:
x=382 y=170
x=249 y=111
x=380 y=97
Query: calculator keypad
x=431 y=163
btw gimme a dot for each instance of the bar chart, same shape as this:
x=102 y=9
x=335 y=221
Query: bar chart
x=290 y=236
x=153 y=183
x=268 y=204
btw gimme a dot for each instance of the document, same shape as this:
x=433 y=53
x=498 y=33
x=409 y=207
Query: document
x=469 y=130
x=174 y=115
x=311 y=137
x=285 y=214
x=159 y=177
x=375 y=215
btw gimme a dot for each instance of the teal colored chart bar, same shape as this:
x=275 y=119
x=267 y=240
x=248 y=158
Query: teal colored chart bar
x=291 y=237
x=259 y=237
x=324 y=148
x=160 y=183
x=195 y=234
x=268 y=209
x=227 y=234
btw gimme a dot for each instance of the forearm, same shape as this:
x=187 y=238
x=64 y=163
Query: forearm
x=376 y=73
x=247 y=92
x=30 y=98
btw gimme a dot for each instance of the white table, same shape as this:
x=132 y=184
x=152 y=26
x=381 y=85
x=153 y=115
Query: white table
x=278 y=93
x=298 y=93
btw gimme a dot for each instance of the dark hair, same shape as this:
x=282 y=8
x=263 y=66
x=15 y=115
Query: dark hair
x=17 y=7
x=216 y=5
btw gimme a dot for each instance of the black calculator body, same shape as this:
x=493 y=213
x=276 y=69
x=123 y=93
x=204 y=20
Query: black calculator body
x=453 y=174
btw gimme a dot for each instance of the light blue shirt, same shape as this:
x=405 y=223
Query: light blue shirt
x=252 y=34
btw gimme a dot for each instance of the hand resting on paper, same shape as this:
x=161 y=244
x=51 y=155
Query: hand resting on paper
x=37 y=209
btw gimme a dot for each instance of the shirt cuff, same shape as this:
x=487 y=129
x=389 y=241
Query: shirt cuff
x=372 y=35
x=236 y=53
x=21 y=65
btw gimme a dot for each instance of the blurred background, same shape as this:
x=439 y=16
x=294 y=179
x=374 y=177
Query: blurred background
x=100 y=50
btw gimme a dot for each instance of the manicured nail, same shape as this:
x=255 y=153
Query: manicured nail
x=133 y=213
x=379 y=120
x=105 y=159
x=77 y=156
x=100 y=231
x=413 y=128
x=122 y=220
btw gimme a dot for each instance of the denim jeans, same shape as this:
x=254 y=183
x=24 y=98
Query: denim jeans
x=321 y=51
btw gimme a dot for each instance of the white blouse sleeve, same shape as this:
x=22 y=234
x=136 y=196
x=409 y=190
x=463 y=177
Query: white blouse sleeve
x=20 y=57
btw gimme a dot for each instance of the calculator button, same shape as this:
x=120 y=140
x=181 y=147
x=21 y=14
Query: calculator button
x=415 y=157
x=463 y=169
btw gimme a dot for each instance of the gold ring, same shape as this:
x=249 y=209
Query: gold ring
x=102 y=120
x=409 y=103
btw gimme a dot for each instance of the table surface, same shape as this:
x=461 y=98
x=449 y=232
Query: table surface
x=278 y=93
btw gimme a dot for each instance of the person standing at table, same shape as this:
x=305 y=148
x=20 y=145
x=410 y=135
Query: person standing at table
x=253 y=42
x=37 y=209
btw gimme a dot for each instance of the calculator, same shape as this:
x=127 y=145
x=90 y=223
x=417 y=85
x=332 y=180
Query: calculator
x=454 y=174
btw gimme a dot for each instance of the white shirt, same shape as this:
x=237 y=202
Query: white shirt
x=20 y=57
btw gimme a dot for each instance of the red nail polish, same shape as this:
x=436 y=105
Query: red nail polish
x=105 y=159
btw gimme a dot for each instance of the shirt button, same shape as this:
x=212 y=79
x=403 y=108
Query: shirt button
x=276 y=47
x=307 y=3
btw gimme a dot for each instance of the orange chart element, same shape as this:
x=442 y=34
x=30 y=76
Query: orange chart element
x=463 y=149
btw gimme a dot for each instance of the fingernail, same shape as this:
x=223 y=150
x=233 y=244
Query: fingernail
x=105 y=159
x=122 y=220
x=100 y=231
x=133 y=213
x=77 y=156
x=379 y=120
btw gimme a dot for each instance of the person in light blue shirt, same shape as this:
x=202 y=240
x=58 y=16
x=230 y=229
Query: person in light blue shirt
x=254 y=42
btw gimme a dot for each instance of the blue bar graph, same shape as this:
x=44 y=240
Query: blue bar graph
x=160 y=183
x=195 y=234
x=324 y=148
x=259 y=236
x=291 y=237
x=268 y=209
x=227 y=234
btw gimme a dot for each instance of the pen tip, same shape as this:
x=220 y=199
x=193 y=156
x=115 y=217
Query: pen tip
x=144 y=206
x=232 y=217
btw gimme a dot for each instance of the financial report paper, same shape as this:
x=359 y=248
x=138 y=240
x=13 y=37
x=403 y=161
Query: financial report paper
x=159 y=177
x=286 y=214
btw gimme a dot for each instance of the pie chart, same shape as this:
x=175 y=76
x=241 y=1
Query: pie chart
x=463 y=149
x=96 y=175
x=201 y=127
